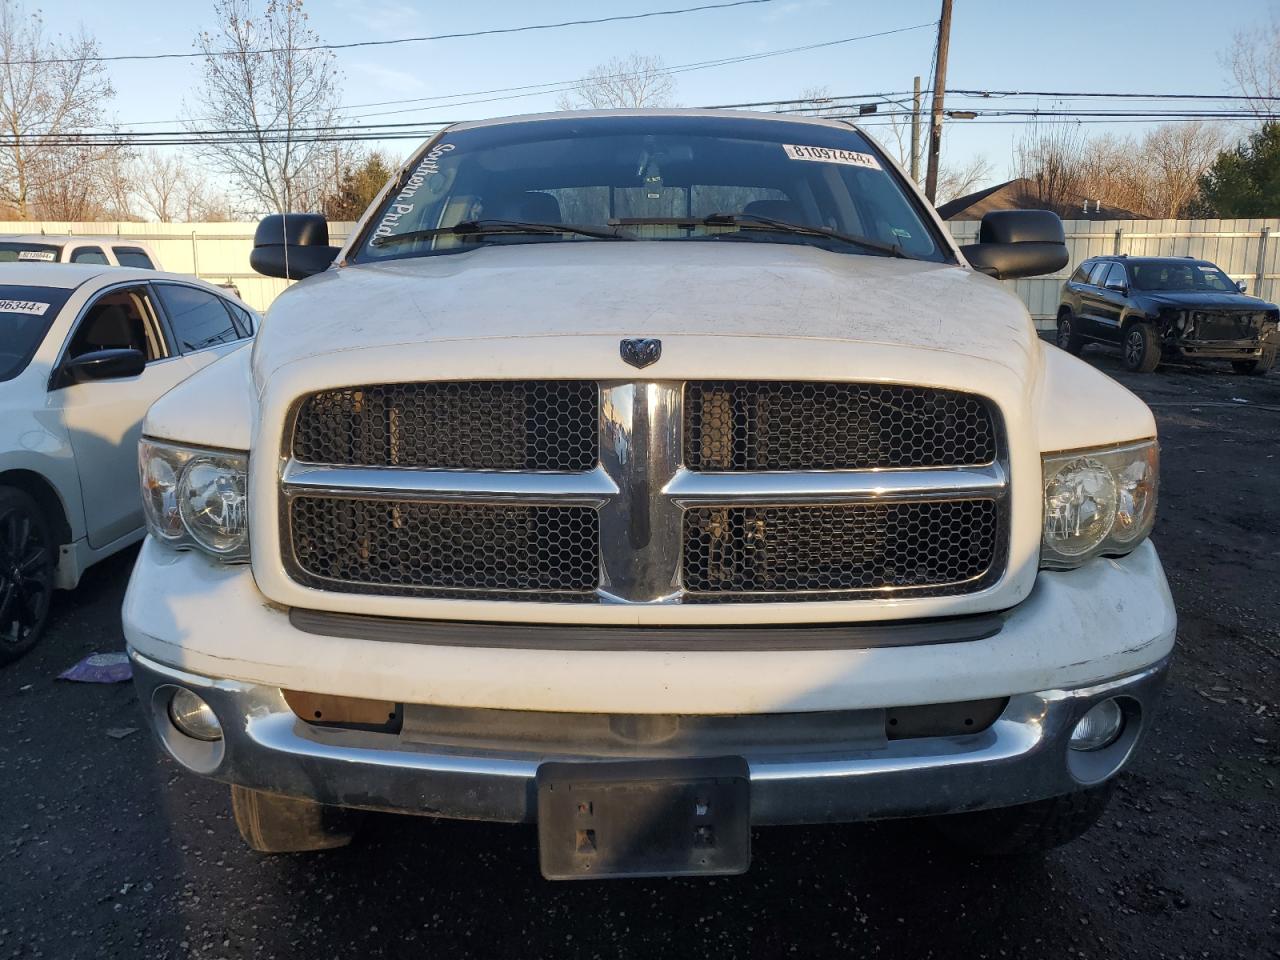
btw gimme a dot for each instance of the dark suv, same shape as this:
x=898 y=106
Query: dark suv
x=1154 y=307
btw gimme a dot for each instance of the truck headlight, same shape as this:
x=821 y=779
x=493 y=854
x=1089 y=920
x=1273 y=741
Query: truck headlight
x=196 y=498
x=1098 y=502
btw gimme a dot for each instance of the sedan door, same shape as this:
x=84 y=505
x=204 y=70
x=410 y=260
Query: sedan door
x=103 y=417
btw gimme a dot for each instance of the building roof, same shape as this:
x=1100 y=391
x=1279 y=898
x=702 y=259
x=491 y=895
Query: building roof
x=1020 y=194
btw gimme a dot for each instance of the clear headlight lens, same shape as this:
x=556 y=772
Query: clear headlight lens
x=1098 y=502
x=196 y=498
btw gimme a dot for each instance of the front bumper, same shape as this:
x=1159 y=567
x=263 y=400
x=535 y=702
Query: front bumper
x=1022 y=756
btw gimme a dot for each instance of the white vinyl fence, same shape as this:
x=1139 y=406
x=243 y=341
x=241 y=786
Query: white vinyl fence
x=219 y=252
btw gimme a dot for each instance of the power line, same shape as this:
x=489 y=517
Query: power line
x=397 y=40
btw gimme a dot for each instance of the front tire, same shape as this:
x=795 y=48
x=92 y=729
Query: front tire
x=271 y=823
x=1028 y=828
x=1068 y=339
x=1258 y=366
x=1141 y=348
x=26 y=573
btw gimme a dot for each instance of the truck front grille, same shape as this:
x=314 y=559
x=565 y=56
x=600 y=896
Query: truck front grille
x=789 y=553
x=767 y=425
x=643 y=492
x=477 y=425
x=398 y=547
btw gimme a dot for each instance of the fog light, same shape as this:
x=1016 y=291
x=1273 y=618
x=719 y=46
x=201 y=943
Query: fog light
x=193 y=716
x=1099 y=727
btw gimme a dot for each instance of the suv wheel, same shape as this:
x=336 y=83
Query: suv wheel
x=1068 y=339
x=26 y=573
x=1258 y=366
x=1141 y=348
x=1027 y=828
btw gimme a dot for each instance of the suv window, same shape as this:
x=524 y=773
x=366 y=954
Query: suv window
x=133 y=257
x=1098 y=272
x=120 y=319
x=1082 y=272
x=1116 y=275
x=198 y=318
x=89 y=255
x=1182 y=275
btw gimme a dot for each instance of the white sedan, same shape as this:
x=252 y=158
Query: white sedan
x=84 y=351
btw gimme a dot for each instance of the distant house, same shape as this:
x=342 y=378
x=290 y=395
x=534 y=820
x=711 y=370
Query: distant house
x=1020 y=194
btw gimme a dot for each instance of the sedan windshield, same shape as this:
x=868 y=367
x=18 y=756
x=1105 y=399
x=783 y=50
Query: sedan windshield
x=26 y=313
x=1186 y=275
x=658 y=178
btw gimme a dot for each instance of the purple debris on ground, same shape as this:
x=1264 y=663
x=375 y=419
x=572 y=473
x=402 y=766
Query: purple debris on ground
x=100 y=668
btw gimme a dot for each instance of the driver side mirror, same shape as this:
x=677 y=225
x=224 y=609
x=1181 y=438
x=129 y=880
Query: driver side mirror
x=1118 y=287
x=292 y=246
x=116 y=363
x=1018 y=243
x=1242 y=286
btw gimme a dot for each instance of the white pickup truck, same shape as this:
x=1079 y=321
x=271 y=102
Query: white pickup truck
x=650 y=476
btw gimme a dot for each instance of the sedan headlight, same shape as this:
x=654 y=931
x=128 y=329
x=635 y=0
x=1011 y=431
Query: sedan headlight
x=1098 y=502
x=196 y=498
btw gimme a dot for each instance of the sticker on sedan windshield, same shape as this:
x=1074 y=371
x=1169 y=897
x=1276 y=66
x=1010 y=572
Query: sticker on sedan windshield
x=45 y=255
x=831 y=155
x=33 y=307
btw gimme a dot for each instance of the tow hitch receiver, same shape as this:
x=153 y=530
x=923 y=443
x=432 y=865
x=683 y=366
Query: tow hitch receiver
x=644 y=818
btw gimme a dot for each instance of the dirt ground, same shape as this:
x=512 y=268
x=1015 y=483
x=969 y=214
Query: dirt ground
x=109 y=850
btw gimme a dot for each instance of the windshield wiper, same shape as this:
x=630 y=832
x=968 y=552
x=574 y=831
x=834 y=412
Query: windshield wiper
x=752 y=221
x=477 y=228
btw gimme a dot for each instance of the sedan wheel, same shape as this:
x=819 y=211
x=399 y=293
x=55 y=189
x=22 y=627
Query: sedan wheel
x=26 y=573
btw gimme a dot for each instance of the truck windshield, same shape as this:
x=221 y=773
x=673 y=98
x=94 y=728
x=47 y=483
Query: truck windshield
x=1181 y=275
x=13 y=251
x=26 y=313
x=657 y=178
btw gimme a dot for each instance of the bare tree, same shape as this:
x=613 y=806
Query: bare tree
x=1050 y=157
x=259 y=76
x=636 y=81
x=956 y=181
x=162 y=183
x=1254 y=61
x=48 y=91
x=1177 y=155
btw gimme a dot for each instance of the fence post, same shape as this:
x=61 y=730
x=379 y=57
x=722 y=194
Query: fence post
x=195 y=257
x=1260 y=273
x=1119 y=240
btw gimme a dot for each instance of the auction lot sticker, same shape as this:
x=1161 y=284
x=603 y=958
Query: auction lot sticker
x=33 y=307
x=849 y=158
x=45 y=256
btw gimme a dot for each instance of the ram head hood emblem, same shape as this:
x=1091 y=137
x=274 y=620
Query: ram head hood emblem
x=640 y=351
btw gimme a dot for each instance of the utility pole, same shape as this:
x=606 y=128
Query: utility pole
x=915 y=132
x=939 y=91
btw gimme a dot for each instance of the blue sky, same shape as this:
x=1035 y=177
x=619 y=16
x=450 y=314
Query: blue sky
x=1152 y=46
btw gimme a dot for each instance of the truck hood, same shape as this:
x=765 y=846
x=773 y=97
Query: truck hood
x=647 y=289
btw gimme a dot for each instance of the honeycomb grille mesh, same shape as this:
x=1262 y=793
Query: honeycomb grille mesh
x=395 y=547
x=765 y=425
x=542 y=425
x=793 y=552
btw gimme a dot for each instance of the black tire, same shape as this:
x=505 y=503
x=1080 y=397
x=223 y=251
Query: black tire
x=270 y=823
x=1259 y=366
x=1028 y=828
x=27 y=562
x=1068 y=339
x=1141 y=348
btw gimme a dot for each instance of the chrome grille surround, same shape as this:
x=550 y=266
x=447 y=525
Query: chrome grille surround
x=659 y=531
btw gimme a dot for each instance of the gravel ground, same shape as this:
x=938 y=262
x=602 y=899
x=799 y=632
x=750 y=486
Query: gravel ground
x=109 y=850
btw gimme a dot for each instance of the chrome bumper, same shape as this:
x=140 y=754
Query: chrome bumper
x=1022 y=757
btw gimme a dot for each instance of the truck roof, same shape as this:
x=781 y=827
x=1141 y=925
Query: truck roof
x=744 y=115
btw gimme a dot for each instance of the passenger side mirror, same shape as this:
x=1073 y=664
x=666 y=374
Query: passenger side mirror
x=1242 y=286
x=292 y=246
x=114 y=364
x=1018 y=243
